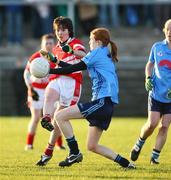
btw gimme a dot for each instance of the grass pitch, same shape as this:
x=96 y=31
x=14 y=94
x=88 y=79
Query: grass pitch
x=15 y=163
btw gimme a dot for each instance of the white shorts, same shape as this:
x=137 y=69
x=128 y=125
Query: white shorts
x=37 y=104
x=69 y=90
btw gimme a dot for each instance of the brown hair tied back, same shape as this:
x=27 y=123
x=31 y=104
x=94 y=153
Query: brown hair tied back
x=114 y=51
x=103 y=35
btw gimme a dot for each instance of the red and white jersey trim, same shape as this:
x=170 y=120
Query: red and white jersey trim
x=75 y=44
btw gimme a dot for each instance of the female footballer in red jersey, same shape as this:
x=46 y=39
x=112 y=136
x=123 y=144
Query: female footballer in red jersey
x=65 y=90
x=36 y=89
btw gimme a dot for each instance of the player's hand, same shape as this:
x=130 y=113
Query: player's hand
x=48 y=56
x=66 y=48
x=169 y=94
x=148 y=84
x=33 y=94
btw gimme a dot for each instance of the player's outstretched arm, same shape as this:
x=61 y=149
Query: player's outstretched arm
x=49 y=56
x=69 y=68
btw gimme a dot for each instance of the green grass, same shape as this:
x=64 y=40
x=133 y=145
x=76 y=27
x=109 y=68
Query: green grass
x=15 y=163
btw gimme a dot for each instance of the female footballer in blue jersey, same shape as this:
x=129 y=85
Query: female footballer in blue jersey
x=100 y=63
x=158 y=83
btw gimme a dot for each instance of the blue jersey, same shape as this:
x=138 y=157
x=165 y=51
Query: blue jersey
x=160 y=56
x=102 y=73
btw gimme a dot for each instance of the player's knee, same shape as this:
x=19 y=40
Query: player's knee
x=163 y=130
x=59 y=117
x=91 y=147
x=151 y=126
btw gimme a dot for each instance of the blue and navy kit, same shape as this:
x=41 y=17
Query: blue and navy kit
x=105 y=89
x=102 y=73
x=160 y=56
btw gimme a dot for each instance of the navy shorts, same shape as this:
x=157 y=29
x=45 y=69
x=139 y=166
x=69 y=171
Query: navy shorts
x=163 y=108
x=98 y=112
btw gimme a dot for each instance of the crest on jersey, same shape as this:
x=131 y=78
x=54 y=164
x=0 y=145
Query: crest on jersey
x=159 y=53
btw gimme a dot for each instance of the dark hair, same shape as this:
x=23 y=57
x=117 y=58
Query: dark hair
x=103 y=35
x=48 y=36
x=64 y=23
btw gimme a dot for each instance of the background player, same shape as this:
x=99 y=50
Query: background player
x=158 y=83
x=36 y=89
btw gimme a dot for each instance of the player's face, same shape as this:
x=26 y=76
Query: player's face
x=93 y=43
x=168 y=32
x=62 y=34
x=48 y=44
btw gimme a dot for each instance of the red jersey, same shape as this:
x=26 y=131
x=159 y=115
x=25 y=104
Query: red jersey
x=38 y=82
x=75 y=44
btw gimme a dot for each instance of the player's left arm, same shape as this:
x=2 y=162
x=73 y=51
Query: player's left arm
x=69 y=68
x=77 y=49
x=80 y=53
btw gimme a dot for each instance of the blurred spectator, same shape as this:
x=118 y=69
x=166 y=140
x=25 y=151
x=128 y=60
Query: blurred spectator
x=14 y=24
x=87 y=16
x=108 y=14
x=131 y=15
x=61 y=10
x=1 y=27
x=42 y=18
x=162 y=12
x=148 y=14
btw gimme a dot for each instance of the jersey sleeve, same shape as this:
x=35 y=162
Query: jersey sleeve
x=151 y=56
x=90 y=58
x=69 y=68
x=77 y=45
x=34 y=56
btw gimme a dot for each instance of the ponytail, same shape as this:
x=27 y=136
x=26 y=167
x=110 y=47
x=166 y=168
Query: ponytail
x=103 y=35
x=113 y=51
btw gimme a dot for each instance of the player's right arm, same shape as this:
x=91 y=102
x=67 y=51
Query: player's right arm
x=148 y=76
x=27 y=79
x=148 y=69
x=51 y=58
x=27 y=76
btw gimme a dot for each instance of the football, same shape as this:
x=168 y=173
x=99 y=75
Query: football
x=39 y=67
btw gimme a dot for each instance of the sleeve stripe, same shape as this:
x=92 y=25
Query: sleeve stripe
x=78 y=46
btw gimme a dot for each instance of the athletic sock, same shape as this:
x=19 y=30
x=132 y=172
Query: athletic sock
x=47 y=117
x=155 y=154
x=30 y=139
x=49 y=150
x=59 y=141
x=73 y=146
x=140 y=142
x=121 y=161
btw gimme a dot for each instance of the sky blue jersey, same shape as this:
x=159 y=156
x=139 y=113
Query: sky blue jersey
x=102 y=73
x=160 y=56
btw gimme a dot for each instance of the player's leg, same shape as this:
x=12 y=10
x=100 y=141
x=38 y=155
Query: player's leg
x=146 y=131
x=161 y=138
x=36 y=113
x=51 y=96
x=35 y=116
x=62 y=118
x=57 y=135
x=94 y=135
x=69 y=95
x=48 y=153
